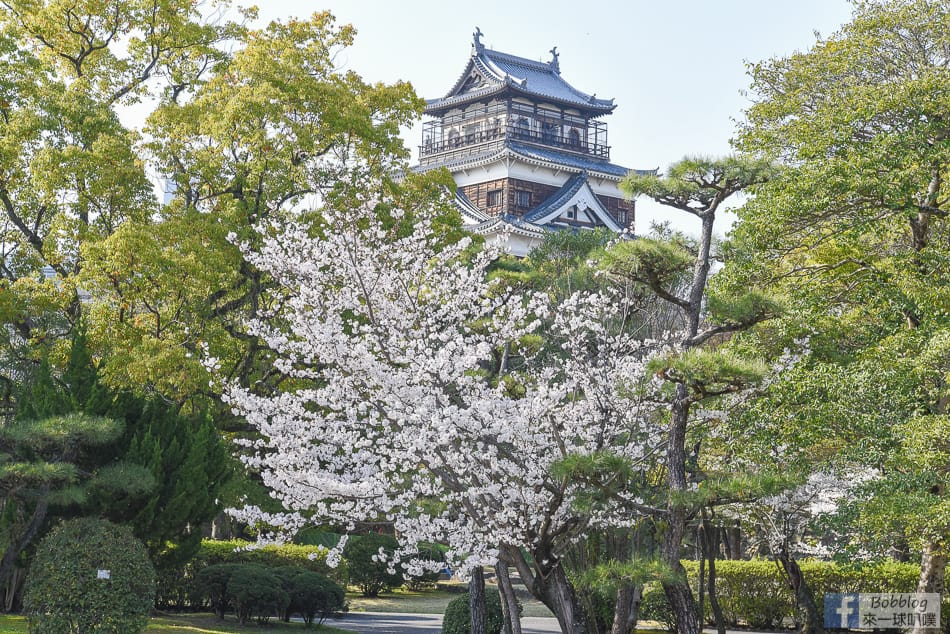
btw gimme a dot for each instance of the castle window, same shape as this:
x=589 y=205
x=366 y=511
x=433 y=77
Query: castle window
x=572 y=213
x=494 y=198
x=523 y=128
x=522 y=198
x=471 y=131
x=574 y=138
x=454 y=139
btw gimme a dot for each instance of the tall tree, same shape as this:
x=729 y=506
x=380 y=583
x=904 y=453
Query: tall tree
x=398 y=409
x=71 y=172
x=241 y=125
x=856 y=227
x=679 y=274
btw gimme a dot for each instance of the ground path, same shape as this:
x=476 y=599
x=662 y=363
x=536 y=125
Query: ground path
x=394 y=623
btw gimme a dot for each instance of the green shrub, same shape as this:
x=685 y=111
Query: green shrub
x=756 y=594
x=214 y=582
x=64 y=594
x=654 y=606
x=256 y=591
x=180 y=590
x=315 y=597
x=458 y=616
x=428 y=579
x=286 y=576
x=366 y=573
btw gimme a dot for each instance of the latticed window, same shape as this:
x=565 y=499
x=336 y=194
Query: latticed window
x=494 y=198
x=574 y=137
x=522 y=198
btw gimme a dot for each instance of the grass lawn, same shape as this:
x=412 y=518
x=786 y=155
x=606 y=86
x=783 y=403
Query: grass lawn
x=191 y=624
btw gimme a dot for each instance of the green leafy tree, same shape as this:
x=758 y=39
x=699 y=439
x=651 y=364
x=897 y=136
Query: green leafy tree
x=79 y=448
x=244 y=126
x=678 y=273
x=855 y=230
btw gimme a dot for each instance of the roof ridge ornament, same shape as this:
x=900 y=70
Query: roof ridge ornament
x=477 y=45
x=555 y=63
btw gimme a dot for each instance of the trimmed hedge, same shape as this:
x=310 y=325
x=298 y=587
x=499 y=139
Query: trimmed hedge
x=255 y=591
x=755 y=593
x=180 y=589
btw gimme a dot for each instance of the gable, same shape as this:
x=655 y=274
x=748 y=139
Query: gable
x=579 y=208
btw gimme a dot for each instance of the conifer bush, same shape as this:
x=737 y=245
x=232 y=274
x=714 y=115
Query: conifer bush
x=458 y=616
x=255 y=591
x=315 y=597
x=67 y=594
x=367 y=571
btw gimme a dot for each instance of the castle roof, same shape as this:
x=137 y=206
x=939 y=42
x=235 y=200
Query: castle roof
x=489 y=73
x=543 y=157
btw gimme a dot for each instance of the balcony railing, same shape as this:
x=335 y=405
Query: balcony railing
x=484 y=140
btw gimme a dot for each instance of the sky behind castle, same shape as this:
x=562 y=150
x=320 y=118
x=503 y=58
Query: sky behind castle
x=677 y=68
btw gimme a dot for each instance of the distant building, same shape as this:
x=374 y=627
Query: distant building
x=528 y=151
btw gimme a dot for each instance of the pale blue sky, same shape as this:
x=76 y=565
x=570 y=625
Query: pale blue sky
x=676 y=68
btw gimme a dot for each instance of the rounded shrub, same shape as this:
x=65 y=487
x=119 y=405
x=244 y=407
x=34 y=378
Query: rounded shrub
x=366 y=572
x=213 y=582
x=256 y=591
x=66 y=593
x=315 y=597
x=458 y=615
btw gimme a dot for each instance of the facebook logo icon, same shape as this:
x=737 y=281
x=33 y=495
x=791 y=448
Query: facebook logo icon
x=841 y=611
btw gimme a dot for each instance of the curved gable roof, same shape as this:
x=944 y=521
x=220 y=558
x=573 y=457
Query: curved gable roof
x=503 y=71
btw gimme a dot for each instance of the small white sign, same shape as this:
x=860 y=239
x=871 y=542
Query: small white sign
x=104 y=574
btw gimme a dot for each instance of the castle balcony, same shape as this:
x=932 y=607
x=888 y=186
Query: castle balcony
x=445 y=145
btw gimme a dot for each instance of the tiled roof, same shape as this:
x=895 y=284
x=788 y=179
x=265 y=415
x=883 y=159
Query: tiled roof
x=568 y=159
x=538 y=78
x=504 y=71
x=558 y=198
x=507 y=223
x=537 y=154
x=468 y=208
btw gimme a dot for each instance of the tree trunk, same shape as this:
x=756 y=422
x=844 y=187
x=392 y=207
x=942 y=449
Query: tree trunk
x=551 y=587
x=732 y=540
x=509 y=602
x=701 y=582
x=933 y=568
x=19 y=543
x=677 y=591
x=710 y=549
x=476 y=602
x=13 y=591
x=221 y=527
x=626 y=610
x=804 y=597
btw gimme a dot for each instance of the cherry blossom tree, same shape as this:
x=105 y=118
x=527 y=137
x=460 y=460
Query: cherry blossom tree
x=404 y=404
x=784 y=523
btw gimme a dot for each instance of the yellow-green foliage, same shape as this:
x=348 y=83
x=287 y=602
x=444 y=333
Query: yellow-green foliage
x=709 y=371
x=755 y=592
x=651 y=262
x=748 y=308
